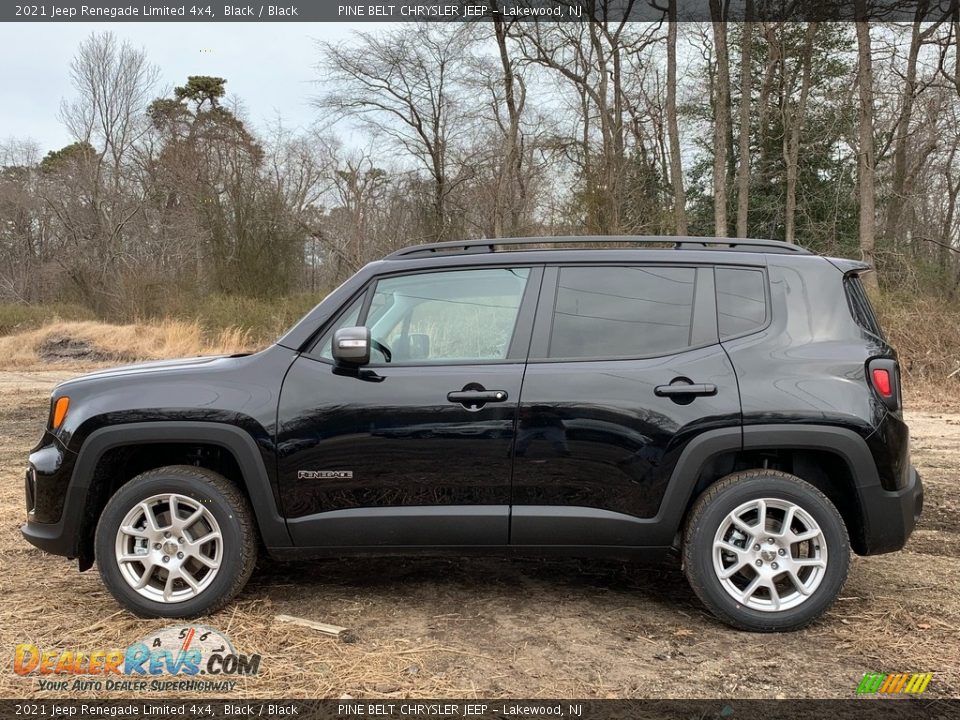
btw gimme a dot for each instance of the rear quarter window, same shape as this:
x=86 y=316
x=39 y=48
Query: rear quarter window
x=860 y=307
x=741 y=301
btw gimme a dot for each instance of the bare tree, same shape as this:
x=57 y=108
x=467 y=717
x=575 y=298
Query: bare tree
x=865 y=150
x=721 y=110
x=404 y=85
x=510 y=176
x=673 y=130
x=594 y=57
x=743 y=148
x=113 y=82
x=793 y=120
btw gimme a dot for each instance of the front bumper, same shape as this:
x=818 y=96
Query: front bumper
x=54 y=504
x=889 y=517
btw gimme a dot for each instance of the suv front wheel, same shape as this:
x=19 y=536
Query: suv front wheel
x=765 y=551
x=177 y=541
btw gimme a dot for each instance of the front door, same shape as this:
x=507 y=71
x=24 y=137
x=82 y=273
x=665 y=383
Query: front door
x=625 y=368
x=415 y=447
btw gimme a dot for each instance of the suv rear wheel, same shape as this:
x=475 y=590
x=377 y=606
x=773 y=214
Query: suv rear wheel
x=175 y=542
x=765 y=551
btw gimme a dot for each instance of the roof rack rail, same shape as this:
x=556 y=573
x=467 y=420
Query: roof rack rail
x=678 y=243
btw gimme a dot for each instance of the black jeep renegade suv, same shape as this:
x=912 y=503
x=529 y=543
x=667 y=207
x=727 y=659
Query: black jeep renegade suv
x=734 y=400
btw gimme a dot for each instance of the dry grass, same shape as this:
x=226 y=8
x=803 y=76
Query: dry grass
x=488 y=627
x=924 y=330
x=95 y=342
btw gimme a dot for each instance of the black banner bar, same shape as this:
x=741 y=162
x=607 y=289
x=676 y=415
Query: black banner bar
x=392 y=709
x=462 y=10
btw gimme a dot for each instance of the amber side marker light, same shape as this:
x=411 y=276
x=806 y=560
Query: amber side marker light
x=60 y=411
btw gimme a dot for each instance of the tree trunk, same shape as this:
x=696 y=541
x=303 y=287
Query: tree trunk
x=793 y=122
x=673 y=131
x=721 y=128
x=867 y=157
x=893 y=229
x=509 y=162
x=743 y=167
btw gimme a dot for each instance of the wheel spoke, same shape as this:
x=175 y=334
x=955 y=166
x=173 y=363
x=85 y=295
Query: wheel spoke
x=189 y=580
x=797 y=582
x=151 y=519
x=144 y=579
x=761 y=516
x=134 y=558
x=196 y=544
x=810 y=562
x=728 y=547
x=209 y=562
x=732 y=570
x=805 y=535
x=750 y=589
x=788 y=520
x=192 y=518
x=135 y=531
x=750 y=530
x=168 y=586
x=774 y=595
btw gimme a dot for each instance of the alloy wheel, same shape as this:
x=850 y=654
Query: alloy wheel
x=770 y=554
x=169 y=548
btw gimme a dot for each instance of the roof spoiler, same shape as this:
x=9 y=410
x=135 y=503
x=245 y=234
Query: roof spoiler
x=848 y=266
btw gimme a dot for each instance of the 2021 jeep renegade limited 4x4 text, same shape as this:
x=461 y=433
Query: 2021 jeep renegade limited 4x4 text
x=734 y=400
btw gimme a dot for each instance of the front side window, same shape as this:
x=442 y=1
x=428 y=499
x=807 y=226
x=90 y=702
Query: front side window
x=461 y=315
x=622 y=312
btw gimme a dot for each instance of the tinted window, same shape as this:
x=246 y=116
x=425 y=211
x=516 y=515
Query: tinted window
x=860 y=306
x=622 y=311
x=435 y=317
x=741 y=301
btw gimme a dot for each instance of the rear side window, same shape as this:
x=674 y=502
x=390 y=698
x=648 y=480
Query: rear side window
x=622 y=312
x=741 y=301
x=860 y=306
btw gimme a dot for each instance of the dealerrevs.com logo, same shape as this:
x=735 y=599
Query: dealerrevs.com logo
x=199 y=657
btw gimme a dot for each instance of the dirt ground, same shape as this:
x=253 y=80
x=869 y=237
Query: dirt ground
x=511 y=628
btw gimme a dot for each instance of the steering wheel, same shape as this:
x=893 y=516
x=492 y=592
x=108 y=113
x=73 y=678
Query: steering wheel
x=382 y=349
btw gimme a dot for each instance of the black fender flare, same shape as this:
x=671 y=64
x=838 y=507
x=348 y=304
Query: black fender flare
x=272 y=526
x=843 y=442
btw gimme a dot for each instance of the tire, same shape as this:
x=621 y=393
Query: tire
x=208 y=571
x=752 y=579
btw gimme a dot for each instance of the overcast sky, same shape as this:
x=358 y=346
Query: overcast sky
x=269 y=66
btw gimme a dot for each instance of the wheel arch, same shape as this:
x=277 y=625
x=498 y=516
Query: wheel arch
x=835 y=460
x=140 y=446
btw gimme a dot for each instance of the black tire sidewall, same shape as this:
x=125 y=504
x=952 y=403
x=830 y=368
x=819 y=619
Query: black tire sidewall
x=184 y=483
x=799 y=493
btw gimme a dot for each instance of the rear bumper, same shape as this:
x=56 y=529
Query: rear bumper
x=889 y=517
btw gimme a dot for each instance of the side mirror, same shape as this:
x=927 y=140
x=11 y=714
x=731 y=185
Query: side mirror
x=352 y=345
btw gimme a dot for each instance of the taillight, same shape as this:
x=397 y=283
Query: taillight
x=881 y=381
x=884 y=377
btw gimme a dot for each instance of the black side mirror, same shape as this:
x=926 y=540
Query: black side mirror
x=352 y=345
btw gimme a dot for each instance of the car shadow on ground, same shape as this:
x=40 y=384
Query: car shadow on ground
x=441 y=580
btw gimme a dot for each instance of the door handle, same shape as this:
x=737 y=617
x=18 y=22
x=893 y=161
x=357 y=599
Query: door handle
x=685 y=390
x=472 y=397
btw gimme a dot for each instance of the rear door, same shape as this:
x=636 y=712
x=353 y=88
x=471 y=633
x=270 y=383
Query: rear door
x=625 y=368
